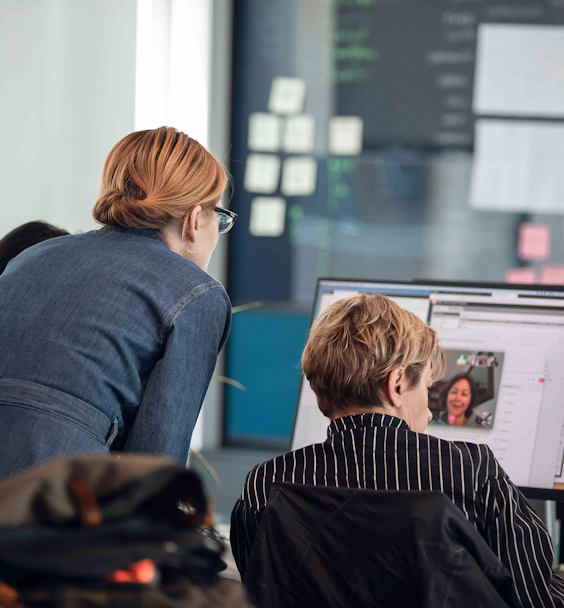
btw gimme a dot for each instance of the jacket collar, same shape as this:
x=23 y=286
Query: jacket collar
x=145 y=232
x=361 y=420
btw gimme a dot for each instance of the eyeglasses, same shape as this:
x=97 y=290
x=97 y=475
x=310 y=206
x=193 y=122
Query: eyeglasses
x=225 y=219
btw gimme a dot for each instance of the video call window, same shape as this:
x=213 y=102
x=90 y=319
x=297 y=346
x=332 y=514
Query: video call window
x=467 y=395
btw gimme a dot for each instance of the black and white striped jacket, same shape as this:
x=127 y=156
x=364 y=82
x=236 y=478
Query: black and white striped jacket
x=380 y=452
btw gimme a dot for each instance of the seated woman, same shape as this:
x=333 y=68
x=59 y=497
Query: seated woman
x=370 y=364
x=457 y=400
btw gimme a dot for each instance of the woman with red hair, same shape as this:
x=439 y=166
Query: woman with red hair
x=108 y=339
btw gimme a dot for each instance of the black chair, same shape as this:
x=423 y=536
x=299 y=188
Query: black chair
x=336 y=547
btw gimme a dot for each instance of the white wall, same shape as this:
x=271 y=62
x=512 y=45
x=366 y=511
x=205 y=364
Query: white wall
x=183 y=80
x=67 y=96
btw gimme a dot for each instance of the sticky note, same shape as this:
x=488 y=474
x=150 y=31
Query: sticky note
x=262 y=173
x=299 y=176
x=264 y=132
x=268 y=216
x=299 y=134
x=345 y=135
x=553 y=274
x=287 y=95
x=534 y=241
x=520 y=275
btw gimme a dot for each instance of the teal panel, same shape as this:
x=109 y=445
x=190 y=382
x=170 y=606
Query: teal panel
x=263 y=354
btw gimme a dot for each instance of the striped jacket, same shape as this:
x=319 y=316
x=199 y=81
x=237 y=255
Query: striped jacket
x=377 y=451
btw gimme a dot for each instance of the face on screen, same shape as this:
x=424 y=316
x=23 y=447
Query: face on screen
x=458 y=398
x=467 y=395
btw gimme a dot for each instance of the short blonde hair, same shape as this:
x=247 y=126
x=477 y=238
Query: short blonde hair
x=354 y=345
x=153 y=177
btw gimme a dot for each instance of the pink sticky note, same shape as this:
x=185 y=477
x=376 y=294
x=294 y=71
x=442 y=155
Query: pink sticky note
x=520 y=275
x=553 y=274
x=534 y=241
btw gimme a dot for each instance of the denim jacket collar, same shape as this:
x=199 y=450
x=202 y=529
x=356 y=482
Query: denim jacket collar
x=361 y=420
x=145 y=232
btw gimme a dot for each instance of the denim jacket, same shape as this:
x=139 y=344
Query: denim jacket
x=111 y=333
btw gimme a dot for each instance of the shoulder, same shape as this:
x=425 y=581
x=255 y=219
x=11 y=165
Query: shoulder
x=207 y=301
x=472 y=419
x=142 y=260
x=255 y=492
x=472 y=454
x=260 y=479
x=481 y=457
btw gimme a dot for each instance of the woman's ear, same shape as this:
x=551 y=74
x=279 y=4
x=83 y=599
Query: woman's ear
x=395 y=386
x=193 y=224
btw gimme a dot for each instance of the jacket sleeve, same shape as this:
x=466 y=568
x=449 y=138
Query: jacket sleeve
x=177 y=385
x=245 y=519
x=519 y=539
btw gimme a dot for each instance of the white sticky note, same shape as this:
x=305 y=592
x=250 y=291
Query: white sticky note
x=517 y=166
x=287 y=95
x=264 y=132
x=268 y=216
x=299 y=176
x=519 y=70
x=345 y=135
x=299 y=134
x=262 y=173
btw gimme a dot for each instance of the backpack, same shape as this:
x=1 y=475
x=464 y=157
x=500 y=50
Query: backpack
x=92 y=531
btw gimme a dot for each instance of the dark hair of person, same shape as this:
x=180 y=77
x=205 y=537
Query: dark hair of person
x=25 y=236
x=473 y=392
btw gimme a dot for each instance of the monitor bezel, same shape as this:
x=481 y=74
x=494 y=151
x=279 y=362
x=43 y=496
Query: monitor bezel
x=528 y=492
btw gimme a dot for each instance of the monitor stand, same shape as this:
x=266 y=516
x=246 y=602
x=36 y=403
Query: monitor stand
x=546 y=510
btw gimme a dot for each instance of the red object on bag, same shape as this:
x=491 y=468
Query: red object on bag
x=140 y=572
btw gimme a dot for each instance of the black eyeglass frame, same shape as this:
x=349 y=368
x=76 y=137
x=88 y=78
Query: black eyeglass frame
x=228 y=213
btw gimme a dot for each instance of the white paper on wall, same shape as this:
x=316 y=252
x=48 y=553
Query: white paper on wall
x=299 y=176
x=519 y=70
x=268 y=216
x=264 y=132
x=299 y=134
x=345 y=135
x=262 y=173
x=518 y=166
x=287 y=95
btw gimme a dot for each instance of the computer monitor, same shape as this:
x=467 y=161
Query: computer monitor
x=510 y=340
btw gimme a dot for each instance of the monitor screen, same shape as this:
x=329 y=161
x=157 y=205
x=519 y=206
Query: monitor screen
x=510 y=341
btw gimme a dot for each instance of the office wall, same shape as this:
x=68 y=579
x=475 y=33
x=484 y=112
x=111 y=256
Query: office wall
x=67 y=95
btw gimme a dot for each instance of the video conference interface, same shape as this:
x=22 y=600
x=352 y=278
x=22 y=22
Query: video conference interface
x=504 y=382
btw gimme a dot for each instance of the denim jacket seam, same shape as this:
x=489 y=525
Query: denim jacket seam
x=193 y=295
x=48 y=413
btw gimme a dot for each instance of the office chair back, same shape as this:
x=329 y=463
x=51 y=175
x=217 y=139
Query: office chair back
x=336 y=547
